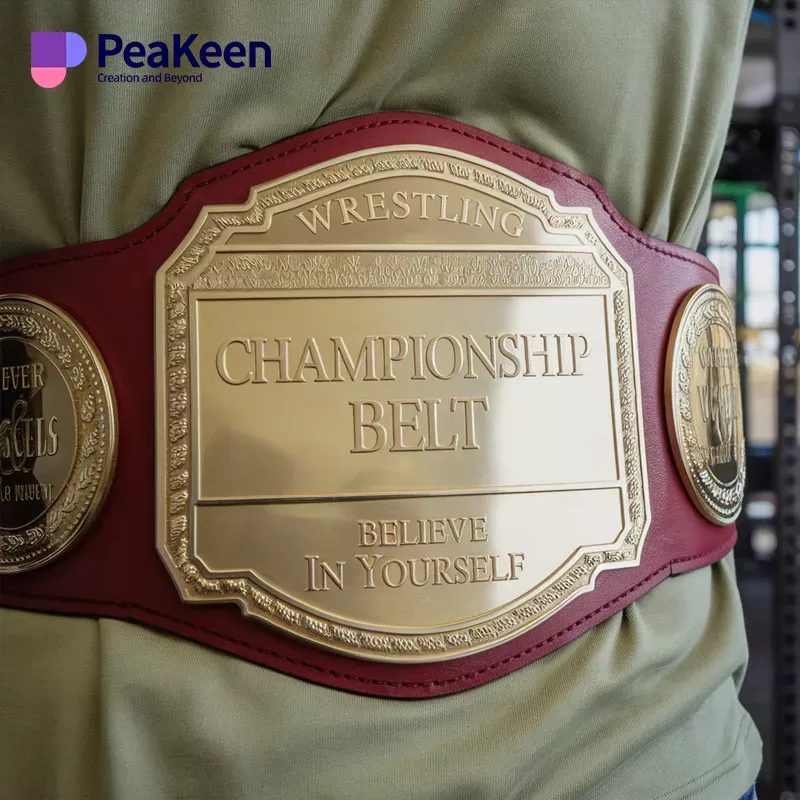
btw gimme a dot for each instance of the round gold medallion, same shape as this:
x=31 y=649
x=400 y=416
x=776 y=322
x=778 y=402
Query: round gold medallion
x=704 y=404
x=57 y=432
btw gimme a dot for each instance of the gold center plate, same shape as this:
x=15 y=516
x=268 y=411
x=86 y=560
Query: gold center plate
x=398 y=407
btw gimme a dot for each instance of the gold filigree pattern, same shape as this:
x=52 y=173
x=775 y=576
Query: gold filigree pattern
x=399 y=270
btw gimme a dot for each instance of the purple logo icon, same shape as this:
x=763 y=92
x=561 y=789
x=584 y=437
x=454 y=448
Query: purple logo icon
x=52 y=52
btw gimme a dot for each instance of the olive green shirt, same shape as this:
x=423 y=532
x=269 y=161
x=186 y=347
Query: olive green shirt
x=636 y=93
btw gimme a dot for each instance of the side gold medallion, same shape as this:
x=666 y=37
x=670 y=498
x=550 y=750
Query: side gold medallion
x=57 y=432
x=704 y=404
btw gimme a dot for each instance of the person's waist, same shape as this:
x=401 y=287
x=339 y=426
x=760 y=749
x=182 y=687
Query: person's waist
x=418 y=401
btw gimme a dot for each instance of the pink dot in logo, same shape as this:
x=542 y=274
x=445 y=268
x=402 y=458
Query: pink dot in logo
x=52 y=52
x=48 y=77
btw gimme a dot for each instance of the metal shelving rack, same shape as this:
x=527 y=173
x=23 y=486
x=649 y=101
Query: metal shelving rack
x=787 y=563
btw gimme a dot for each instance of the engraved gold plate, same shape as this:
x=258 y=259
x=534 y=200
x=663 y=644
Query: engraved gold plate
x=398 y=406
x=57 y=432
x=704 y=404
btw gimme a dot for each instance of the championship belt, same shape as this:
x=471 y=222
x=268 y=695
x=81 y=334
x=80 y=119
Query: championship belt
x=395 y=406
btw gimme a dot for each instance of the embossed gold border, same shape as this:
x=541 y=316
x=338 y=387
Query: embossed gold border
x=190 y=269
x=81 y=365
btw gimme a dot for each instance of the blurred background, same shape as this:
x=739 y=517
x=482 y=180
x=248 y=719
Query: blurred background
x=751 y=235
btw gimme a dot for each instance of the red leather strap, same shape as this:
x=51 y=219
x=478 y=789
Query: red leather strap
x=109 y=288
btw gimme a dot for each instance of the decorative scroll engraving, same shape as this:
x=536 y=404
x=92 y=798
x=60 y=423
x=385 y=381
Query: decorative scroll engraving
x=400 y=271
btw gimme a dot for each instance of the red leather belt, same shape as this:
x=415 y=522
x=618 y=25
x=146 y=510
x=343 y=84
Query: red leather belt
x=350 y=184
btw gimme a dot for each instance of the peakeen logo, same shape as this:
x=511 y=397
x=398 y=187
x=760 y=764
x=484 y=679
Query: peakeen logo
x=52 y=53
x=183 y=51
